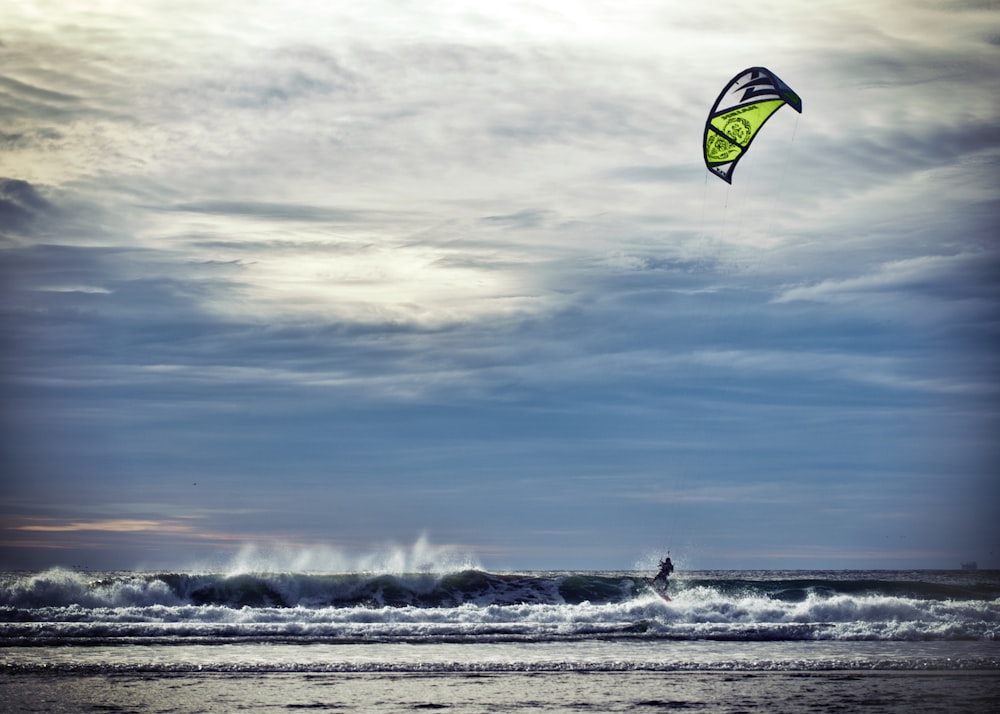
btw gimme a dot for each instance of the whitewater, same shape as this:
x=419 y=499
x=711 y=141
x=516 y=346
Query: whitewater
x=88 y=638
x=69 y=609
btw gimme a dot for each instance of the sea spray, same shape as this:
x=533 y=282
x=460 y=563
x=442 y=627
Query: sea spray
x=421 y=556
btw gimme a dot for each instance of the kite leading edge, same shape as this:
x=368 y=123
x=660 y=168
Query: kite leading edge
x=747 y=102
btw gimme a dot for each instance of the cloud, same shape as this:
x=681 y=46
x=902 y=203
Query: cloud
x=21 y=100
x=651 y=174
x=111 y=525
x=269 y=211
x=527 y=218
x=21 y=206
x=940 y=275
x=428 y=249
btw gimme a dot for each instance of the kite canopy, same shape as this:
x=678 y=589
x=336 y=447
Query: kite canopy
x=742 y=108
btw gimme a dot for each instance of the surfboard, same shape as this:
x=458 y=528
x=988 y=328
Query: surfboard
x=655 y=589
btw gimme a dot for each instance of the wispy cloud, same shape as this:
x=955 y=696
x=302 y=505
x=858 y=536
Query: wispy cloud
x=939 y=275
x=122 y=525
x=353 y=250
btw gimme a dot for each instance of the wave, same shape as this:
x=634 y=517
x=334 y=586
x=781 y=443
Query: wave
x=65 y=606
x=934 y=664
x=62 y=588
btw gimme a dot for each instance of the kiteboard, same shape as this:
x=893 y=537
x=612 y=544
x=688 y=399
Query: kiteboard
x=652 y=586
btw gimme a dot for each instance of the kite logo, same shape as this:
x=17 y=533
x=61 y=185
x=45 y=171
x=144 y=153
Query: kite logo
x=738 y=129
x=718 y=148
x=724 y=145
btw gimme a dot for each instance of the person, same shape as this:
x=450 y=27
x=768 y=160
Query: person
x=666 y=568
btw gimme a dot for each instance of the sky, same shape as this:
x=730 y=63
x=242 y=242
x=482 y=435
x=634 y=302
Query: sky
x=316 y=282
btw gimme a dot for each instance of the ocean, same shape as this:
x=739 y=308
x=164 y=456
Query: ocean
x=470 y=640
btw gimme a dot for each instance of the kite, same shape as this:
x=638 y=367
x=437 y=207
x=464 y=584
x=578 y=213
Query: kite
x=747 y=102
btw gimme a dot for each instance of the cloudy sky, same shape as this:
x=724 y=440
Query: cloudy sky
x=320 y=277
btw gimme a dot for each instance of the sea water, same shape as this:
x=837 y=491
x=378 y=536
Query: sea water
x=62 y=626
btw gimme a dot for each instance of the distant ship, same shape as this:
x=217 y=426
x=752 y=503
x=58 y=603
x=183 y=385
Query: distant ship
x=969 y=565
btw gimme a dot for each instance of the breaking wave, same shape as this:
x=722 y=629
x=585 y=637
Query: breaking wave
x=474 y=605
x=61 y=588
x=64 y=588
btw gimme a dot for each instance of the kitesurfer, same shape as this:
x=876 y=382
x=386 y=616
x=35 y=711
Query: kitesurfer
x=666 y=568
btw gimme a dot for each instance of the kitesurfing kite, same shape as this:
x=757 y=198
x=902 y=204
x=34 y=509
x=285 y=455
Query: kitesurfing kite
x=747 y=102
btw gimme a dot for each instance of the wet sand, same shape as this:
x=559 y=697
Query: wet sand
x=835 y=691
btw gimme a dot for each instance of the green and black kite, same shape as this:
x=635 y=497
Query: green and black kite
x=742 y=108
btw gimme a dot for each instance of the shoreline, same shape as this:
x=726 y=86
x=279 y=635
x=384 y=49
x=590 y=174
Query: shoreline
x=970 y=691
